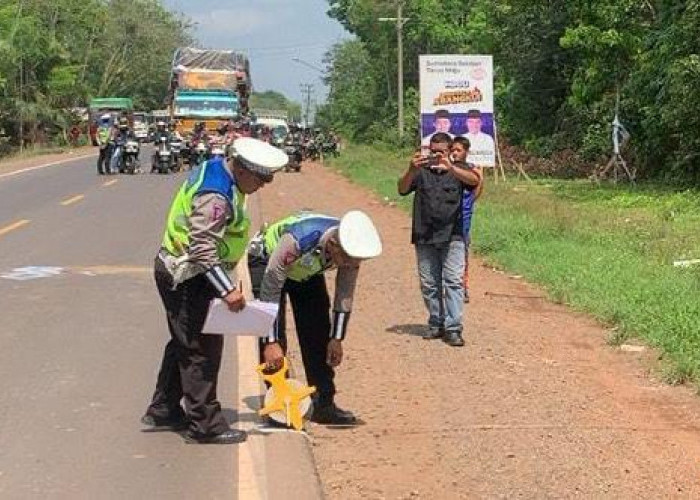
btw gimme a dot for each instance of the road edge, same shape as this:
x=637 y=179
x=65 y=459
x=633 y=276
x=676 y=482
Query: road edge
x=270 y=465
x=21 y=169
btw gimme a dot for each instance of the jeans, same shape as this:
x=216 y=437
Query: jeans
x=441 y=270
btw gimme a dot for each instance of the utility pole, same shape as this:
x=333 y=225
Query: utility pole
x=21 y=90
x=306 y=90
x=400 y=22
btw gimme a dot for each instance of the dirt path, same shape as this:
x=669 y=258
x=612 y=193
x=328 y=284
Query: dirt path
x=535 y=406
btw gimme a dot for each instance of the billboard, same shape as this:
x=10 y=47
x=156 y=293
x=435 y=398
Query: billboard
x=457 y=99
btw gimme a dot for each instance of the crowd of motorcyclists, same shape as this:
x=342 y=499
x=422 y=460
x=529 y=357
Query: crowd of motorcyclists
x=120 y=150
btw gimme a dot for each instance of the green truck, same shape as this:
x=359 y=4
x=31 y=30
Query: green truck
x=113 y=106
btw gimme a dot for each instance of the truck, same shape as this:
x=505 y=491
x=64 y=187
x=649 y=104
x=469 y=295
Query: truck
x=114 y=106
x=207 y=86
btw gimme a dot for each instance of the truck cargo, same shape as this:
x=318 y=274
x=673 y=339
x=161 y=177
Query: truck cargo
x=208 y=86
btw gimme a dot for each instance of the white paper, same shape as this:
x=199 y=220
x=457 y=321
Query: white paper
x=256 y=319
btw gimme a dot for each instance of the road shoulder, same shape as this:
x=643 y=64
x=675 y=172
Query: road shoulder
x=14 y=166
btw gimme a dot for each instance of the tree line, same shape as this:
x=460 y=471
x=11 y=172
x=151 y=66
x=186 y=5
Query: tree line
x=559 y=68
x=56 y=55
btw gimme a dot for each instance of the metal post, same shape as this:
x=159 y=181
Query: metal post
x=307 y=89
x=400 y=22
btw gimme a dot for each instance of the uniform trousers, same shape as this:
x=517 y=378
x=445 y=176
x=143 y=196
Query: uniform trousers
x=103 y=160
x=311 y=309
x=191 y=361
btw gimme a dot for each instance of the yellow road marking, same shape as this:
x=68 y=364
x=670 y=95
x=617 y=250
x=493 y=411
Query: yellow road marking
x=13 y=226
x=72 y=200
x=110 y=183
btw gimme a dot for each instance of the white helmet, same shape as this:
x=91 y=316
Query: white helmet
x=358 y=236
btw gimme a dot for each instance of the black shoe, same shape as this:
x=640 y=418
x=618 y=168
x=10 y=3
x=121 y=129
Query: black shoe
x=454 y=339
x=433 y=333
x=164 y=424
x=231 y=436
x=330 y=414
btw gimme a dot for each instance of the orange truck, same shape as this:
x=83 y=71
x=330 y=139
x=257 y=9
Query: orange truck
x=208 y=86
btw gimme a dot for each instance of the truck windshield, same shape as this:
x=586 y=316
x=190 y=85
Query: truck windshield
x=215 y=108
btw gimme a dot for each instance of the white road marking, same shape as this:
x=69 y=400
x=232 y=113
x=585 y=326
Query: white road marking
x=46 y=165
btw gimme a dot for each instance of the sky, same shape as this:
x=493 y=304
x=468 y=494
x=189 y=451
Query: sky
x=272 y=33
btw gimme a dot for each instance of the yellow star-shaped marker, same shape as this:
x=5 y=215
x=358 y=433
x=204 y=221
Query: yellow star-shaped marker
x=287 y=395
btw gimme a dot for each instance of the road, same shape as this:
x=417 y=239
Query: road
x=537 y=405
x=79 y=350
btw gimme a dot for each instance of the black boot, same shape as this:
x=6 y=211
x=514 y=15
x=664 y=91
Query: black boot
x=231 y=436
x=330 y=414
x=164 y=424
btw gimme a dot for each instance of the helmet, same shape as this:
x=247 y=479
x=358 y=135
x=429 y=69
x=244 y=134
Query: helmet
x=105 y=118
x=123 y=123
x=160 y=124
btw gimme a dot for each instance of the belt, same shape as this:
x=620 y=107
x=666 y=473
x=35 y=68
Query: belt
x=172 y=263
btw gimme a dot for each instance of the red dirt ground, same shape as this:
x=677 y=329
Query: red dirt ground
x=536 y=405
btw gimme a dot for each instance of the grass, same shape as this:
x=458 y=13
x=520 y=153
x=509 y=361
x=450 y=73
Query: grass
x=605 y=250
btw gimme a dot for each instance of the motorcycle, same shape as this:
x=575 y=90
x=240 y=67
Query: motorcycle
x=330 y=149
x=199 y=155
x=312 y=151
x=131 y=156
x=295 y=157
x=176 y=147
x=116 y=163
x=163 y=158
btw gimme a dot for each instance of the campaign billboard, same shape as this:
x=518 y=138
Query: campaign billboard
x=457 y=99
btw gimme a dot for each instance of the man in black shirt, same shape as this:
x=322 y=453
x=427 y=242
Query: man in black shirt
x=437 y=235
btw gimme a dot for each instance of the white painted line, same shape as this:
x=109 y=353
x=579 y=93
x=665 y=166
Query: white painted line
x=73 y=199
x=46 y=165
x=110 y=183
x=251 y=454
x=13 y=226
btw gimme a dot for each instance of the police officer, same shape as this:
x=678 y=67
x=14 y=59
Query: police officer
x=103 y=136
x=289 y=258
x=205 y=235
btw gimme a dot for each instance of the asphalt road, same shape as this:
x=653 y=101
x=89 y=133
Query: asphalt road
x=80 y=346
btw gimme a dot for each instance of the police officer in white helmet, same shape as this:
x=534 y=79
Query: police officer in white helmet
x=289 y=258
x=206 y=235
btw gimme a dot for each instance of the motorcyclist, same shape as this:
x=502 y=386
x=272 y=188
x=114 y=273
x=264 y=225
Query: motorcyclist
x=121 y=133
x=174 y=133
x=161 y=135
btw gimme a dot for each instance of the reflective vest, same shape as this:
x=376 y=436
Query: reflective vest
x=103 y=135
x=307 y=229
x=211 y=177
